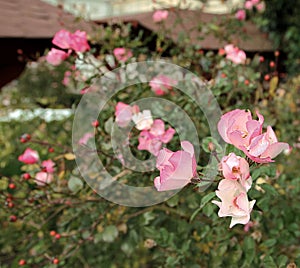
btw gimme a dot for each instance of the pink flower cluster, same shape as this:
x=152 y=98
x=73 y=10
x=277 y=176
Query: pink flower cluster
x=260 y=6
x=45 y=175
x=65 y=40
x=122 y=54
x=153 y=134
x=238 y=128
x=162 y=84
x=160 y=15
x=235 y=54
x=151 y=140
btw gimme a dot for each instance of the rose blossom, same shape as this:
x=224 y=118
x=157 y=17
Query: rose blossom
x=240 y=14
x=261 y=7
x=56 y=56
x=66 y=40
x=236 y=168
x=265 y=147
x=84 y=139
x=62 y=39
x=122 y=54
x=234 y=202
x=234 y=54
x=79 y=41
x=255 y=2
x=143 y=120
x=238 y=128
x=48 y=166
x=161 y=84
x=160 y=15
x=124 y=113
x=43 y=178
x=248 y=5
x=29 y=156
x=152 y=140
x=176 y=168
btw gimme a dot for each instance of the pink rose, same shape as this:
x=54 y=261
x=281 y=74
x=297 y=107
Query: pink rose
x=43 y=178
x=265 y=147
x=84 y=139
x=161 y=84
x=79 y=41
x=56 y=56
x=152 y=140
x=248 y=5
x=238 y=128
x=160 y=15
x=255 y=2
x=122 y=54
x=234 y=202
x=66 y=40
x=62 y=39
x=240 y=14
x=29 y=156
x=261 y=7
x=124 y=113
x=176 y=168
x=149 y=143
x=48 y=166
x=236 y=168
x=234 y=54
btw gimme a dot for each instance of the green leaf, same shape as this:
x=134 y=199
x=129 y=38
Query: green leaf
x=110 y=233
x=75 y=184
x=269 y=189
x=108 y=125
x=268 y=262
x=249 y=250
x=205 y=199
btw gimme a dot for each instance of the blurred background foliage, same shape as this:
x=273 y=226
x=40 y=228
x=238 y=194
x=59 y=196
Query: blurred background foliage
x=184 y=231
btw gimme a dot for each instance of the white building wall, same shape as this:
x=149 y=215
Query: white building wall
x=97 y=9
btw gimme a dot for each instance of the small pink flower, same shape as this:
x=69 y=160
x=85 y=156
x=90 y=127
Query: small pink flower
x=255 y=2
x=234 y=202
x=124 y=113
x=238 y=128
x=122 y=54
x=261 y=7
x=43 y=178
x=79 y=41
x=161 y=84
x=149 y=143
x=265 y=147
x=152 y=140
x=236 y=168
x=62 y=39
x=221 y=51
x=56 y=56
x=234 y=54
x=29 y=156
x=66 y=79
x=176 y=168
x=248 y=5
x=84 y=139
x=160 y=15
x=248 y=225
x=240 y=14
x=48 y=166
